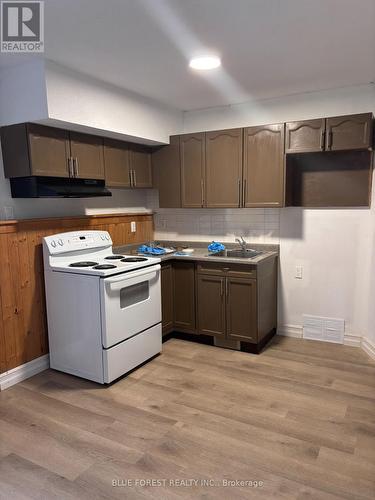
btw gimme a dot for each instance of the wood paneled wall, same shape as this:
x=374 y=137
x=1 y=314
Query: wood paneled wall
x=23 y=325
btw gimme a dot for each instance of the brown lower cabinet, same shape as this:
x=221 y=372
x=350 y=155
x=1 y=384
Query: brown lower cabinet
x=226 y=305
x=211 y=305
x=241 y=309
x=235 y=304
x=167 y=293
x=184 y=296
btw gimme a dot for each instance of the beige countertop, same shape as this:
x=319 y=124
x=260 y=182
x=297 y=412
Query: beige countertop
x=201 y=253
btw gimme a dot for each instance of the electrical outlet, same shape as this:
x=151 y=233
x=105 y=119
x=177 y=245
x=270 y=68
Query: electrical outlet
x=133 y=226
x=298 y=273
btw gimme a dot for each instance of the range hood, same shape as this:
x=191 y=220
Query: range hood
x=57 y=187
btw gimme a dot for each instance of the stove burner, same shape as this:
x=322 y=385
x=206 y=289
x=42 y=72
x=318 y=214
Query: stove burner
x=114 y=257
x=134 y=259
x=84 y=263
x=105 y=266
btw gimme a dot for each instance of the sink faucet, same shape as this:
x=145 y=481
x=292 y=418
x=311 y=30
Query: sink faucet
x=241 y=242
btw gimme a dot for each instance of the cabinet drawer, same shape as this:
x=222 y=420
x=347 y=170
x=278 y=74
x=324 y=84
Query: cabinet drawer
x=224 y=269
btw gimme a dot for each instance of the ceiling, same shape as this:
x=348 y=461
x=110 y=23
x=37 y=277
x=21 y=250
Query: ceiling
x=268 y=48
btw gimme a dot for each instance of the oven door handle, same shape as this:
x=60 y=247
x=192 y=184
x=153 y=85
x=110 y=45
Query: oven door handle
x=132 y=278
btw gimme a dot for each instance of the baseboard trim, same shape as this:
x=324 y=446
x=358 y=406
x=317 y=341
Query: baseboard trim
x=352 y=340
x=23 y=372
x=368 y=346
x=294 y=331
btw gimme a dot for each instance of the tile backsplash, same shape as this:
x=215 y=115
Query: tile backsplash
x=257 y=225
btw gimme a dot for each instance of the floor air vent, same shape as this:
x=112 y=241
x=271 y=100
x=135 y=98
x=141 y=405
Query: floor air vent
x=324 y=329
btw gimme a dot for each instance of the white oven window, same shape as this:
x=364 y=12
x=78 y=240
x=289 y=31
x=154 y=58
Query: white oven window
x=134 y=294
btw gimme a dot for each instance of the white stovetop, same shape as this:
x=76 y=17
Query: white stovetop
x=62 y=250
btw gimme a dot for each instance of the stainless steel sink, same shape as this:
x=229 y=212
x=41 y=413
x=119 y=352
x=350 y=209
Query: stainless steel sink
x=238 y=253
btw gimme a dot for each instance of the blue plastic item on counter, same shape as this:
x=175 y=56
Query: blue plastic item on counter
x=216 y=247
x=151 y=250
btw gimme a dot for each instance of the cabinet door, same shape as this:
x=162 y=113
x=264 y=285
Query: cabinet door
x=263 y=173
x=349 y=132
x=192 y=153
x=167 y=297
x=223 y=168
x=140 y=166
x=241 y=309
x=116 y=162
x=305 y=137
x=87 y=154
x=184 y=296
x=167 y=174
x=211 y=305
x=49 y=151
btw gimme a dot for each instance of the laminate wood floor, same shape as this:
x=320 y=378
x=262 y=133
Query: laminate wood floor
x=298 y=421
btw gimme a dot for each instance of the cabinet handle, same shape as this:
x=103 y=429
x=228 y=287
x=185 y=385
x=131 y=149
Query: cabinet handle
x=134 y=178
x=244 y=193
x=322 y=139
x=202 y=192
x=75 y=167
x=221 y=288
x=330 y=139
x=227 y=289
x=70 y=167
x=239 y=192
x=130 y=178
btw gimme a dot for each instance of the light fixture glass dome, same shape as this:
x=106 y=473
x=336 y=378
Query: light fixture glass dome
x=205 y=62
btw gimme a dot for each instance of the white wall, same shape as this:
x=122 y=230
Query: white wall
x=54 y=95
x=23 y=93
x=348 y=100
x=335 y=247
x=83 y=101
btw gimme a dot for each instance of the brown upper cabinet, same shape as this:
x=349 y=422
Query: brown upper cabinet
x=193 y=167
x=140 y=166
x=212 y=173
x=263 y=166
x=117 y=164
x=166 y=173
x=30 y=149
x=49 y=151
x=127 y=165
x=305 y=137
x=223 y=168
x=87 y=156
x=330 y=134
x=349 y=132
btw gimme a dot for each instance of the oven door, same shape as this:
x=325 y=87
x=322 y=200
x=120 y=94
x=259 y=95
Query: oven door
x=130 y=303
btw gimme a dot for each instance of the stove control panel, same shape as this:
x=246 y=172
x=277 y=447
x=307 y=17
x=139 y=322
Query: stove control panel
x=77 y=240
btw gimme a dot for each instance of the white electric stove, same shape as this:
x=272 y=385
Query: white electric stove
x=103 y=309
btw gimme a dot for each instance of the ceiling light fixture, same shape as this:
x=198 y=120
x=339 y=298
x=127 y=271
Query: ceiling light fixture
x=205 y=62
